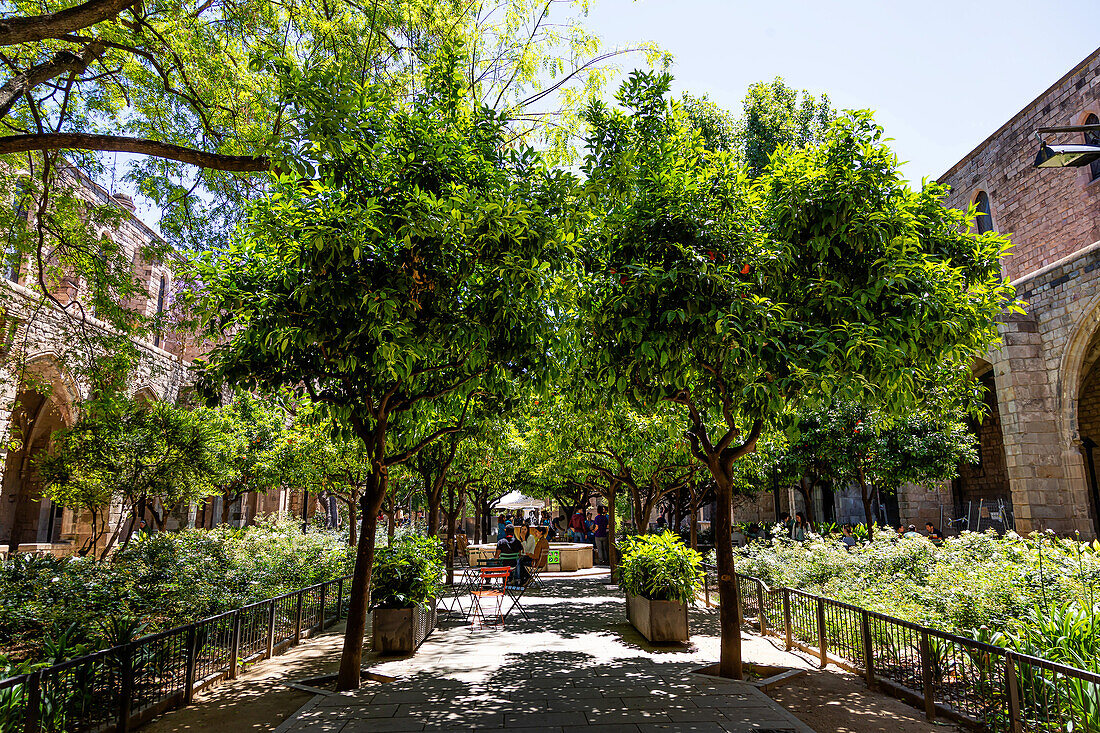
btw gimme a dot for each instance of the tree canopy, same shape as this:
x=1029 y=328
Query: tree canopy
x=824 y=277
x=412 y=273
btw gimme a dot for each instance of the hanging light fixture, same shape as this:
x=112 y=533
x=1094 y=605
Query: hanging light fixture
x=1066 y=156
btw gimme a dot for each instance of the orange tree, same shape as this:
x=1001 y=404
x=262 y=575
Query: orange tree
x=410 y=274
x=856 y=444
x=737 y=298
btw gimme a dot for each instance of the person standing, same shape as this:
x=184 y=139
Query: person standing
x=798 y=531
x=600 y=533
x=502 y=523
x=576 y=527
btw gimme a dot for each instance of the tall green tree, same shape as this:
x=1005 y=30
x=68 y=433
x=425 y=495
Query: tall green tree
x=879 y=453
x=825 y=277
x=133 y=455
x=249 y=449
x=412 y=271
x=773 y=116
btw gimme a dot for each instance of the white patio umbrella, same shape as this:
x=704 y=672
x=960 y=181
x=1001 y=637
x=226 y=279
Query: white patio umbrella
x=516 y=500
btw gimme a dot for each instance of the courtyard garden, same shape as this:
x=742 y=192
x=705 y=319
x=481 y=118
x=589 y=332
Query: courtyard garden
x=403 y=290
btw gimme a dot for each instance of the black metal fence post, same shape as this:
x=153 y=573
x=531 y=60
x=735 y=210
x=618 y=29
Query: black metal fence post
x=32 y=713
x=235 y=646
x=927 y=682
x=271 y=630
x=787 y=616
x=1012 y=689
x=339 y=600
x=126 y=687
x=192 y=663
x=298 y=618
x=823 y=641
x=868 y=647
x=321 y=621
x=760 y=607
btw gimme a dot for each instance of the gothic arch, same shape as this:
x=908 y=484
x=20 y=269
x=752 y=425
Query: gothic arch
x=47 y=399
x=146 y=394
x=1073 y=369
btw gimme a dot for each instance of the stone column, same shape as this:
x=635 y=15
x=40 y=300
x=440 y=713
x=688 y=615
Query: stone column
x=1046 y=473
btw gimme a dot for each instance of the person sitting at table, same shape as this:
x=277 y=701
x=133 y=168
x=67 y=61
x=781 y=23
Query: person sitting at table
x=523 y=529
x=536 y=548
x=502 y=522
x=511 y=546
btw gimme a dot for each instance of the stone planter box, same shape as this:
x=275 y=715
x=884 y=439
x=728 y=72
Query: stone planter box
x=658 y=620
x=401 y=630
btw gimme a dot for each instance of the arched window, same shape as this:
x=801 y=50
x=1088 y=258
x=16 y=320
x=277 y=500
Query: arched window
x=160 y=303
x=985 y=216
x=1092 y=137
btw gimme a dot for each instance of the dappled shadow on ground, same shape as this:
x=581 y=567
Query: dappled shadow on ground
x=259 y=700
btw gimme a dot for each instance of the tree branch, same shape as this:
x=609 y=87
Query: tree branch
x=62 y=61
x=40 y=27
x=140 y=146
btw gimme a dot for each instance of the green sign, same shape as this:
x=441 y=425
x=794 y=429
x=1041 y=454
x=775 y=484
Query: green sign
x=554 y=558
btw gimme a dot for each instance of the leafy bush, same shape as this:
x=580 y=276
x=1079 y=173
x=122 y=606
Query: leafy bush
x=659 y=567
x=971 y=581
x=63 y=608
x=406 y=572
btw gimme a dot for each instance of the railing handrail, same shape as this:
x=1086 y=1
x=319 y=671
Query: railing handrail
x=1056 y=667
x=149 y=638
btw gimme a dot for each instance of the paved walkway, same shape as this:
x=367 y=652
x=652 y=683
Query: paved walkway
x=576 y=665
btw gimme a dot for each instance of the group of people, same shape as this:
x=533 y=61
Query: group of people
x=930 y=532
x=797 y=527
x=591 y=528
x=530 y=542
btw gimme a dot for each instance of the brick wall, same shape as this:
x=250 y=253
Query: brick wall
x=1040 y=369
x=1050 y=213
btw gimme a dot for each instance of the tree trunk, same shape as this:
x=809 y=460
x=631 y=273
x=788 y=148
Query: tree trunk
x=435 y=499
x=226 y=502
x=612 y=560
x=351 y=659
x=353 y=539
x=678 y=514
x=694 y=526
x=866 y=497
x=450 y=515
x=729 y=600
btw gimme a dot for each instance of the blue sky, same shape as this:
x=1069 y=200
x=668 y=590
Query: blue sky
x=941 y=76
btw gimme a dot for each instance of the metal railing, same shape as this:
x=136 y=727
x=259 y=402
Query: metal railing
x=962 y=679
x=122 y=687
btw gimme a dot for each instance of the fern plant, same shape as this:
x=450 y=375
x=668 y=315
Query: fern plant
x=660 y=567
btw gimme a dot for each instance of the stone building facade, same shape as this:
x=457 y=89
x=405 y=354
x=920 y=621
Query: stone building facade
x=38 y=395
x=1038 y=443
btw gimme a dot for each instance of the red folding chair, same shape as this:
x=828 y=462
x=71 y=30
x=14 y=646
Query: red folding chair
x=493 y=585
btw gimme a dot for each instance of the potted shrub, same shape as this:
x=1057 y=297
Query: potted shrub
x=404 y=586
x=660 y=576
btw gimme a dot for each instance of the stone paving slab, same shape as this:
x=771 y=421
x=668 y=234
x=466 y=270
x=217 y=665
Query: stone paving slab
x=576 y=666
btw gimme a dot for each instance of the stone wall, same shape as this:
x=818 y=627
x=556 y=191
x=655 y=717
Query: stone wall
x=38 y=393
x=1041 y=369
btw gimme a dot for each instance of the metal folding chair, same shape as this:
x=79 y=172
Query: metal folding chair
x=534 y=573
x=465 y=580
x=492 y=586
